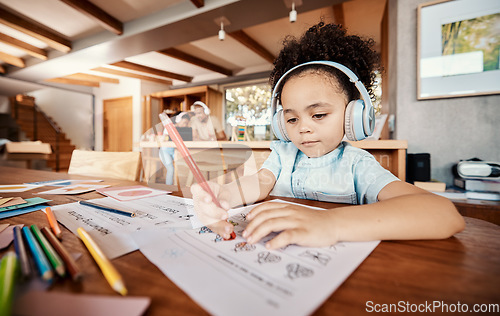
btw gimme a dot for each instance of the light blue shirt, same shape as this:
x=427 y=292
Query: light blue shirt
x=345 y=175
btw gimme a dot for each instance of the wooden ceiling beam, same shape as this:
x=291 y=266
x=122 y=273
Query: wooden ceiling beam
x=106 y=20
x=12 y=60
x=338 y=14
x=249 y=42
x=25 y=47
x=132 y=75
x=151 y=71
x=175 y=53
x=198 y=3
x=74 y=82
x=43 y=34
x=89 y=77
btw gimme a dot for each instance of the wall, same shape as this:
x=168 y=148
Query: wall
x=127 y=87
x=71 y=111
x=449 y=129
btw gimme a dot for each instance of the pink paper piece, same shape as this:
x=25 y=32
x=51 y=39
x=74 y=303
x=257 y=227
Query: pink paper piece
x=63 y=304
x=131 y=192
x=7 y=236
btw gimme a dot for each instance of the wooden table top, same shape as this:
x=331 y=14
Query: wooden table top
x=463 y=269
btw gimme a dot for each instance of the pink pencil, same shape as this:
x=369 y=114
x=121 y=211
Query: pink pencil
x=179 y=143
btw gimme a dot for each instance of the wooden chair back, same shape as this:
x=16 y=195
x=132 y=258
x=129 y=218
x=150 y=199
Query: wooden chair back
x=106 y=164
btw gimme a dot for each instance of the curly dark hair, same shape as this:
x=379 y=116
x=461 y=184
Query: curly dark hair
x=330 y=42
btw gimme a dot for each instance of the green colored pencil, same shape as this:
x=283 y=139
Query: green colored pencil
x=55 y=260
x=8 y=271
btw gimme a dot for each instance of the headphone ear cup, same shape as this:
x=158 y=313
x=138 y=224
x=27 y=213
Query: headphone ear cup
x=349 y=132
x=353 y=121
x=278 y=126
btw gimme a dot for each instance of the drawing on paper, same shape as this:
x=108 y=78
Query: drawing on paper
x=296 y=271
x=268 y=257
x=316 y=256
x=243 y=246
x=204 y=230
x=218 y=238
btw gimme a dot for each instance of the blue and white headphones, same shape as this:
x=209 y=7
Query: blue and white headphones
x=203 y=105
x=359 y=114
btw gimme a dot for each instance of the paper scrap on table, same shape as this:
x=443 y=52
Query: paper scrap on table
x=26 y=203
x=248 y=279
x=112 y=231
x=75 y=189
x=13 y=201
x=131 y=192
x=17 y=187
x=7 y=236
x=22 y=210
x=4 y=200
x=63 y=304
x=62 y=182
x=3 y=226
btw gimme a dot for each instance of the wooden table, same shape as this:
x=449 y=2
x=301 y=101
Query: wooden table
x=464 y=268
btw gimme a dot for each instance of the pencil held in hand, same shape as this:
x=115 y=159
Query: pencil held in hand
x=109 y=271
x=179 y=143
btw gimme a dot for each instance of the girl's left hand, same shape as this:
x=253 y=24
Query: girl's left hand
x=297 y=225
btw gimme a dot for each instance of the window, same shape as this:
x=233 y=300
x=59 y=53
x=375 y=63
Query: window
x=248 y=111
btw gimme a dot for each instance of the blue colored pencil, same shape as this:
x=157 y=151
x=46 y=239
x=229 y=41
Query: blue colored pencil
x=41 y=261
x=20 y=248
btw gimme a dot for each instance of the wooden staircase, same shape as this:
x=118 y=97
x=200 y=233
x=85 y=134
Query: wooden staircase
x=38 y=126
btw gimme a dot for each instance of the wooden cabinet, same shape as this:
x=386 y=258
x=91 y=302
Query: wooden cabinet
x=180 y=100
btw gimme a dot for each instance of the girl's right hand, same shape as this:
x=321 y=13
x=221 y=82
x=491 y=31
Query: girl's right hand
x=208 y=212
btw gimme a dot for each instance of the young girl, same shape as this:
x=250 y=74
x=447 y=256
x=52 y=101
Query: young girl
x=316 y=164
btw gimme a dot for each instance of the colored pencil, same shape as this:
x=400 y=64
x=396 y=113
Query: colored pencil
x=108 y=209
x=53 y=222
x=110 y=273
x=41 y=262
x=181 y=146
x=22 y=255
x=54 y=259
x=70 y=263
x=8 y=270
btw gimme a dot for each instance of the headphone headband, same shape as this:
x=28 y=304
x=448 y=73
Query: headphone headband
x=203 y=105
x=352 y=77
x=358 y=126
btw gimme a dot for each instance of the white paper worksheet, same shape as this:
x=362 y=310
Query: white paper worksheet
x=112 y=231
x=233 y=277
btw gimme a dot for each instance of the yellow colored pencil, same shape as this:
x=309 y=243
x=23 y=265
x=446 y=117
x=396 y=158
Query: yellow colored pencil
x=110 y=273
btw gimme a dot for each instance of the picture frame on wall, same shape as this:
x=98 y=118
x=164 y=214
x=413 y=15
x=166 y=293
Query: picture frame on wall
x=458 y=48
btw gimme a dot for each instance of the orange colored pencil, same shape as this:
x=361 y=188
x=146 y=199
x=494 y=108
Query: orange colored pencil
x=53 y=223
